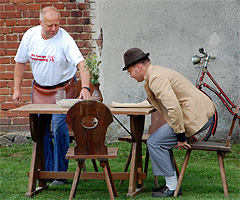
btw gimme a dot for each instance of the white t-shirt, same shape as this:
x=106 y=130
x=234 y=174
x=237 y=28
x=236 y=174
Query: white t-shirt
x=53 y=61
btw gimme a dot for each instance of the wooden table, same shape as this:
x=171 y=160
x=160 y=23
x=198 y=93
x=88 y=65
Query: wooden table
x=38 y=128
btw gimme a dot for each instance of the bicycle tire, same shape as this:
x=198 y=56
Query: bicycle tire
x=205 y=135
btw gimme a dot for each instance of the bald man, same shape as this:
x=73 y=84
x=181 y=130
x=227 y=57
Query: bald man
x=54 y=58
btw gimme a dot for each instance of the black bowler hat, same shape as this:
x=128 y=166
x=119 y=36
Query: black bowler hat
x=133 y=56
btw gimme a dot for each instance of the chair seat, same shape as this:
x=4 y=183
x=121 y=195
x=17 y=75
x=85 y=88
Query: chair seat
x=209 y=146
x=112 y=154
x=128 y=138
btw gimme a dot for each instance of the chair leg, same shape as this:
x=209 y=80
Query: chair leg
x=95 y=165
x=76 y=179
x=176 y=167
x=223 y=174
x=185 y=162
x=108 y=180
x=111 y=179
x=127 y=164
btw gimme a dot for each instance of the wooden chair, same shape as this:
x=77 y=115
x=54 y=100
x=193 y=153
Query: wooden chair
x=156 y=122
x=220 y=148
x=89 y=120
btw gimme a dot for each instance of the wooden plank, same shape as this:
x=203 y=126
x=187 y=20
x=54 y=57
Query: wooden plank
x=210 y=146
x=86 y=175
x=56 y=109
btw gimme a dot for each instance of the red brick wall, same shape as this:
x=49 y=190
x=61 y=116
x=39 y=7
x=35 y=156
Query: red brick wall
x=17 y=16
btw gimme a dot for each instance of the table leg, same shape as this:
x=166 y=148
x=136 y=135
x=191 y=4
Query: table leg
x=137 y=128
x=38 y=126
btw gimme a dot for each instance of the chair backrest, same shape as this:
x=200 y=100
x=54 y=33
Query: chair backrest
x=233 y=123
x=89 y=120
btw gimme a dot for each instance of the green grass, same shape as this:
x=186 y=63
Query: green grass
x=201 y=180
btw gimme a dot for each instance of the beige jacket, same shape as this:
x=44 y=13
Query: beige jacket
x=184 y=107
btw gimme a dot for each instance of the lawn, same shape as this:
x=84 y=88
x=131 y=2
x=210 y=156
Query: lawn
x=201 y=180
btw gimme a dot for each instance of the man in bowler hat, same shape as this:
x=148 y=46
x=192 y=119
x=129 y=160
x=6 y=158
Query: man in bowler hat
x=185 y=108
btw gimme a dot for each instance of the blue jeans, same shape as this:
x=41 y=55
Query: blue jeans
x=56 y=143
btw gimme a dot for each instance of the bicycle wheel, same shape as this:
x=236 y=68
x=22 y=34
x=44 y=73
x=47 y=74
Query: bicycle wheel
x=206 y=134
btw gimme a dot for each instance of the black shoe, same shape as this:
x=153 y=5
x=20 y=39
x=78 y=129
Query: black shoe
x=158 y=189
x=165 y=192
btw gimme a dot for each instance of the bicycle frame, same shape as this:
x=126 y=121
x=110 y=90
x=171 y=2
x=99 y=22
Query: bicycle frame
x=221 y=94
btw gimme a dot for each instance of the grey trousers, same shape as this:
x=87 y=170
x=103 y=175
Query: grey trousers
x=160 y=144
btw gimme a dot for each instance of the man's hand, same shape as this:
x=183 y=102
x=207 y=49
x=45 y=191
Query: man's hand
x=84 y=94
x=183 y=145
x=17 y=97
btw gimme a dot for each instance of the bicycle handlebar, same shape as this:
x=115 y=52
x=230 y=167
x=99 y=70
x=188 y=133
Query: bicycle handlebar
x=197 y=59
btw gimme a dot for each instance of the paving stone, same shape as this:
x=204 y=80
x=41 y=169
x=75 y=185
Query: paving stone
x=5 y=142
x=10 y=136
x=20 y=139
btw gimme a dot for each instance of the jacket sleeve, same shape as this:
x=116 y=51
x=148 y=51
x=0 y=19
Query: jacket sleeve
x=163 y=91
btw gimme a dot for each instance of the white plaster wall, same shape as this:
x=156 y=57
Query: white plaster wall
x=171 y=31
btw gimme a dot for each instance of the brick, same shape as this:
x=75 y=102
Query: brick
x=63 y=21
x=84 y=21
x=3 y=113
x=20 y=121
x=76 y=13
x=71 y=6
x=11 y=22
x=87 y=29
x=4 y=121
x=65 y=13
x=86 y=13
x=43 y=5
x=28 y=75
x=4 y=30
x=2 y=22
x=11 y=52
x=22 y=7
x=70 y=29
x=2 y=99
x=10 y=15
x=12 y=37
x=34 y=7
x=2 y=52
x=13 y=128
x=26 y=98
x=84 y=51
x=59 y=6
x=4 y=128
x=31 y=14
x=6 y=76
x=34 y=22
x=4 y=60
x=21 y=1
x=24 y=127
x=23 y=115
x=41 y=1
x=2 y=68
x=7 y=106
x=9 y=7
x=84 y=36
x=10 y=68
x=80 y=44
x=19 y=29
x=3 y=84
x=72 y=21
x=9 y=45
x=4 y=91
x=26 y=90
x=83 y=6
x=74 y=36
x=23 y=22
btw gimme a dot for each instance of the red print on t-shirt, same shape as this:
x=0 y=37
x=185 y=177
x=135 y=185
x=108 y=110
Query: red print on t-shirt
x=42 y=58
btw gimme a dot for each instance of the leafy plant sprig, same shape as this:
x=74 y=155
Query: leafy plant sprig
x=92 y=65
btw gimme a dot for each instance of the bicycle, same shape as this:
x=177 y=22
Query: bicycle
x=203 y=62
